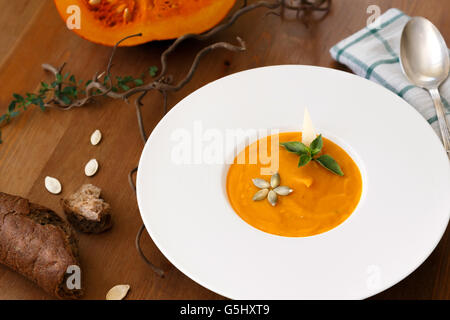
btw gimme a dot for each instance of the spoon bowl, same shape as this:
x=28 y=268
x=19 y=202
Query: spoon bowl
x=425 y=61
x=423 y=54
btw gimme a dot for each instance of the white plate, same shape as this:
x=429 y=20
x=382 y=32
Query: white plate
x=402 y=216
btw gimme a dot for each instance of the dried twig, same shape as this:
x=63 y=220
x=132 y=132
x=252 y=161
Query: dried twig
x=160 y=82
x=163 y=82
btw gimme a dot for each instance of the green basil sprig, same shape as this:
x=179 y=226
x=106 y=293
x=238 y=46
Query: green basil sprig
x=310 y=153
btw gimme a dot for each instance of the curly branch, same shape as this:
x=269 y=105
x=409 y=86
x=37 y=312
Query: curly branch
x=163 y=82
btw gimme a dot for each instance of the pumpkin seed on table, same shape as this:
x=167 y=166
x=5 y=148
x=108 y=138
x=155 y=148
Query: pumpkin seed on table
x=118 y=292
x=96 y=137
x=91 y=168
x=53 y=185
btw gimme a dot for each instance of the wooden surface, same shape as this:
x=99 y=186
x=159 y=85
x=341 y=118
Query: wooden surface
x=56 y=143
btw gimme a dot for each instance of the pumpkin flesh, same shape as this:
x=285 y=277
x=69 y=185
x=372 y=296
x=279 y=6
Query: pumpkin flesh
x=108 y=21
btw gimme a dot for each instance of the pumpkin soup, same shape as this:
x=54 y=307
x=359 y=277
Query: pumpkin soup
x=318 y=200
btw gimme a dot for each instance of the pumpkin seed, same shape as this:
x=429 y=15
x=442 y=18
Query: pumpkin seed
x=53 y=185
x=118 y=292
x=260 y=183
x=260 y=195
x=126 y=15
x=96 y=137
x=272 y=197
x=275 y=180
x=94 y=2
x=91 y=167
x=283 y=190
x=121 y=8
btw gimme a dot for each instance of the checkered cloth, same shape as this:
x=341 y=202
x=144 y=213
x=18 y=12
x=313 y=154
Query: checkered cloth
x=373 y=53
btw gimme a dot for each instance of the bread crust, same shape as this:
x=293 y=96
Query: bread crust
x=37 y=243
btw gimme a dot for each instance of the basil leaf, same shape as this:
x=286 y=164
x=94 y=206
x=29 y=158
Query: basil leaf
x=304 y=160
x=329 y=163
x=316 y=145
x=296 y=147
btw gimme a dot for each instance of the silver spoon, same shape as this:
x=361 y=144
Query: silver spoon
x=425 y=62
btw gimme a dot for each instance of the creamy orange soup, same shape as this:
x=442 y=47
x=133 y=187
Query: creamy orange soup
x=320 y=200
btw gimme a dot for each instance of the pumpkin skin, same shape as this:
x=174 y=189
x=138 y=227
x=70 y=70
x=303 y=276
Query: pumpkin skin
x=107 y=21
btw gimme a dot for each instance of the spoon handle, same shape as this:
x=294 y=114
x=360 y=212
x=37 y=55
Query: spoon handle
x=443 y=125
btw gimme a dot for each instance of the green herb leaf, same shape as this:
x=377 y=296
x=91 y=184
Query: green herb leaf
x=66 y=99
x=18 y=97
x=316 y=145
x=58 y=78
x=152 y=71
x=304 y=160
x=127 y=79
x=12 y=106
x=296 y=147
x=139 y=82
x=329 y=163
x=41 y=104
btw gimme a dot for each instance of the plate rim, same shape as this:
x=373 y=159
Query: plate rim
x=162 y=122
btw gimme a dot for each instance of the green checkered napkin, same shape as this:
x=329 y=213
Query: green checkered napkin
x=373 y=53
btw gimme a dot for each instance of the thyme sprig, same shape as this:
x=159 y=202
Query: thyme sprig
x=66 y=88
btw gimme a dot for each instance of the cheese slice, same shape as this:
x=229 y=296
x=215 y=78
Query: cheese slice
x=308 y=132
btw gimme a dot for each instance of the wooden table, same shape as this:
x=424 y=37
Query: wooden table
x=56 y=143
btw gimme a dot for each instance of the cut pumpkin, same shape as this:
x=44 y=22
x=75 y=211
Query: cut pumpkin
x=107 y=21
